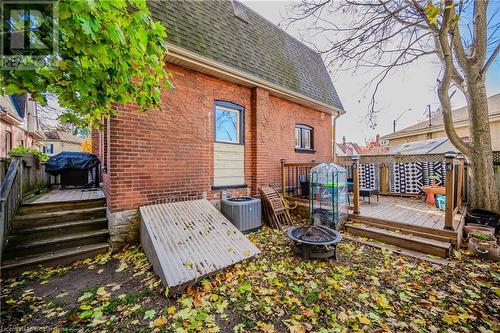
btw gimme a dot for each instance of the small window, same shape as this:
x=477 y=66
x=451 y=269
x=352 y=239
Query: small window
x=303 y=137
x=48 y=149
x=8 y=141
x=228 y=123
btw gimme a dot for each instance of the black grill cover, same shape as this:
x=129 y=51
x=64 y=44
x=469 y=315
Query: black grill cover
x=70 y=160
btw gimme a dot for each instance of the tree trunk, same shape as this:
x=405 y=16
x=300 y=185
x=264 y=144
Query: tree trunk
x=483 y=191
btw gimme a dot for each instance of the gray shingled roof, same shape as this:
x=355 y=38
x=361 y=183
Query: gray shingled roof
x=259 y=48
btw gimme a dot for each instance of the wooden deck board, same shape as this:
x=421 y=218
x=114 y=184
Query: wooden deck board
x=404 y=210
x=69 y=195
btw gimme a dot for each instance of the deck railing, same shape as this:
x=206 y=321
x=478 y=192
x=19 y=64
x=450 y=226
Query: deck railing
x=25 y=174
x=295 y=178
x=10 y=197
x=295 y=182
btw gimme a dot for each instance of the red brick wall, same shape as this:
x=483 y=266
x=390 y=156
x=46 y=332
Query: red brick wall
x=18 y=136
x=169 y=153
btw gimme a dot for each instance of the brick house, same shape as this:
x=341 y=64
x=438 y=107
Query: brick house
x=18 y=124
x=246 y=95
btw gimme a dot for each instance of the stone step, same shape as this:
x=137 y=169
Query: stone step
x=43 y=245
x=36 y=208
x=53 y=258
x=404 y=240
x=40 y=219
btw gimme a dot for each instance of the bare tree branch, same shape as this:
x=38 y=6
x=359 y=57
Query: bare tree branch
x=444 y=84
x=491 y=59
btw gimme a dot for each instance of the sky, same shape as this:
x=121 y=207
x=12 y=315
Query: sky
x=412 y=88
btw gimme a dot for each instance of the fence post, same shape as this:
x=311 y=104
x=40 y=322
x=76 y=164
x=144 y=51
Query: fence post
x=355 y=179
x=449 y=192
x=283 y=180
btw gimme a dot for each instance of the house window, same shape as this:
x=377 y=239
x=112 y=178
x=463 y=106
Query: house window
x=304 y=138
x=48 y=149
x=228 y=123
x=8 y=142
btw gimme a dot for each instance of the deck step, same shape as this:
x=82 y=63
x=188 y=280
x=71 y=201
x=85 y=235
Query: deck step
x=402 y=228
x=39 y=219
x=42 y=245
x=404 y=240
x=66 y=226
x=46 y=207
x=54 y=258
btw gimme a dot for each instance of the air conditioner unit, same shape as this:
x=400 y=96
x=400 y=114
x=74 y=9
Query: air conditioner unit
x=245 y=213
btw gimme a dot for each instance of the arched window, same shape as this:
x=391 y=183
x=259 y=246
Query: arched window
x=304 y=138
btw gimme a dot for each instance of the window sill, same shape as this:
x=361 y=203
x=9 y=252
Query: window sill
x=304 y=150
x=228 y=187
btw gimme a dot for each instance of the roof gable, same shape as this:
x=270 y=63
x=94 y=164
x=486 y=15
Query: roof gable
x=257 y=47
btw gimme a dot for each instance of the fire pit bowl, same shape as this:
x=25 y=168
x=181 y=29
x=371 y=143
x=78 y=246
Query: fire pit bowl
x=314 y=241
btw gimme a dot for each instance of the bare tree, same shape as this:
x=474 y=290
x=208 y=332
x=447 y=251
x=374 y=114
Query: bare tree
x=389 y=34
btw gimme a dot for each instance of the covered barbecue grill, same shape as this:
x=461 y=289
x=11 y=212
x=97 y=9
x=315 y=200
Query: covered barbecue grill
x=75 y=169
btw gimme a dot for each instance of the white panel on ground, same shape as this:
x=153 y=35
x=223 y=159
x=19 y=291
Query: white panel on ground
x=188 y=240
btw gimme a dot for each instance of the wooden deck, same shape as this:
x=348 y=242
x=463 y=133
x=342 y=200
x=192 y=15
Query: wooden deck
x=68 y=195
x=406 y=210
x=405 y=220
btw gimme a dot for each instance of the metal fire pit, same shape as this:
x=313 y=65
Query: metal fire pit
x=314 y=241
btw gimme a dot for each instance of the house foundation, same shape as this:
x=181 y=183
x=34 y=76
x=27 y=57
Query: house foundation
x=123 y=227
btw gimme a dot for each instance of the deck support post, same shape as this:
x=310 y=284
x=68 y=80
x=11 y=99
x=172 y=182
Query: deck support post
x=460 y=180
x=355 y=179
x=449 y=192
x=283 y=180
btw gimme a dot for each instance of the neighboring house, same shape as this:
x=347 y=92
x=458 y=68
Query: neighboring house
x=434 y=129
x=18 y=123
x=246 y=95
x=347 y=148
x=374 y=147
x=59 y=141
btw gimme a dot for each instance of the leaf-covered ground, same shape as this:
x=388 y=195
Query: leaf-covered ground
x=366 y=290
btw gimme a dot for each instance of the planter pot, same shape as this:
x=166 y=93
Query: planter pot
x=472 y=228
x=487 y=249
x=483 y=217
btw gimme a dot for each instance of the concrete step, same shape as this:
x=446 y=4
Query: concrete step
x=44 y=245
x=36 y=208
x=403 y=240
x=55 y=229
x=53 y=258
x=46 y=218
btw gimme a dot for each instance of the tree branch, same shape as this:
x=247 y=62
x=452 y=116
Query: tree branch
x=444 y=83
x=490 y=60
x=478 y=46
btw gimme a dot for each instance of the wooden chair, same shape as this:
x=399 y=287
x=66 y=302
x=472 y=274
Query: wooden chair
x=275 y=207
